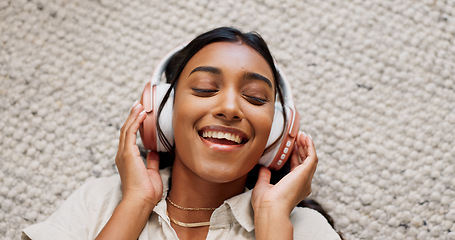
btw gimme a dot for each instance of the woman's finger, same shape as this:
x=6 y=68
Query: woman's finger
x=307 y=153
x=133 y=112
x=131 y=132
x=299 y=153
x=295 y=159
x=311 y=159
x=302 y=146
x=131 y=116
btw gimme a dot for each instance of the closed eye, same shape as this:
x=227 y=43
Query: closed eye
x=255 y=100
x=204 y=92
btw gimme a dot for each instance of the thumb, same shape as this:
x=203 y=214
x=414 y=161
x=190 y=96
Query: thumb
x=263 y=177
x=153 y=161
x=262 y=185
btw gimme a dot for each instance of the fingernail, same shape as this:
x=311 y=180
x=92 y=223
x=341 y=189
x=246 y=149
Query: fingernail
x=310 y=137
x=303 y=133
x=142 y=113
x=135 y=103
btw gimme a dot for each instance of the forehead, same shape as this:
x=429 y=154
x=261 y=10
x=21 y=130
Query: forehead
x=230 y=56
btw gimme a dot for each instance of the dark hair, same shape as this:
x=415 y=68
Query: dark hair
x=178 y=62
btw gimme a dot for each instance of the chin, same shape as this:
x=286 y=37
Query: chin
x=221 y=172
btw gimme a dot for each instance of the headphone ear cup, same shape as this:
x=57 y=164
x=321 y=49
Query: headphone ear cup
x=275 y=133
x=147 y=129
x=277 y=125
x=278 y=154
x=152 y=96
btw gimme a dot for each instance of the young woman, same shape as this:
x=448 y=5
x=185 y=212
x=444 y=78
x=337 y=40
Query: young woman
x=225 y=88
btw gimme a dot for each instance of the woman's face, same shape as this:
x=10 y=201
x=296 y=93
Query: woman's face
x=223 y=111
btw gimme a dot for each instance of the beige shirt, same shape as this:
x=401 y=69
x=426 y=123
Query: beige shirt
x=87 y=210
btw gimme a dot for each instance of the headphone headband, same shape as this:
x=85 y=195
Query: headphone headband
x=159 y=70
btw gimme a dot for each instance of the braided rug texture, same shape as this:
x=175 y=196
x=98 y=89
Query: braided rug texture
x=374 y=82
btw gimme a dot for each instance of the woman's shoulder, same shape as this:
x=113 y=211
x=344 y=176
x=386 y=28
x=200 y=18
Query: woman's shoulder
x=96 y=189
x=310 y=224
x=82 y=214
x=95 y=196
x=107 y=188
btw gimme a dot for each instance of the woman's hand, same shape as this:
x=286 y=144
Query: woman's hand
x=141 y=186
x=272 y=204
x=139 y=183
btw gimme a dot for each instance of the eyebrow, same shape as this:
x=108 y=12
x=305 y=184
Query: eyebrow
x=248 y=75
x=209 y=69
x=257 y=76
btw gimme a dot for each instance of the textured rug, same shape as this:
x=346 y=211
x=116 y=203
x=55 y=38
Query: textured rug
x=374 y=82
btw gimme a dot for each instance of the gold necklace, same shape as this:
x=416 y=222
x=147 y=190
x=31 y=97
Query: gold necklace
x=188 y=225
x=188 y=209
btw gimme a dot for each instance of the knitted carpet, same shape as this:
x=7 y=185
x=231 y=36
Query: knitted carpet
x=373 y=82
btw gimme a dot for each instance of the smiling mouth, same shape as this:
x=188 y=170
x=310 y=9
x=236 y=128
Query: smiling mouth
x=222 y=137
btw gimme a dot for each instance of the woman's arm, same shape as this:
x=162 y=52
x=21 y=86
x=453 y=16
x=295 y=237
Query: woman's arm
x=127 y=221
x=272 y=204
x=272 y=223
x=142 y=186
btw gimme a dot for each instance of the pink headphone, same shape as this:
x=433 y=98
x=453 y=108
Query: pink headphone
x=153 y=94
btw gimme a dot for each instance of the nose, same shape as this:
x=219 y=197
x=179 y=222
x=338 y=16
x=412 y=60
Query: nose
x=228 y=107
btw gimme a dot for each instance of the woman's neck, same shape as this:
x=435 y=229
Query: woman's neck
x=190 y=190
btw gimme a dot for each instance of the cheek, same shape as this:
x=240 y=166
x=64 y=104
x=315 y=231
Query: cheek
x=262 y=120
x=178 y=117
x=181 y=114
x=187 y=109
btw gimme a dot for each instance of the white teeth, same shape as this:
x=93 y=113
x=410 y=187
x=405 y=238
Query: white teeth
x=221 y=135
x=227 y=135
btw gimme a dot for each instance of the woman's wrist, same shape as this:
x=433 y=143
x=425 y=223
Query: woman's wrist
x=140 y=203
x=272 y=223
x=127 y=221
x=265 y=212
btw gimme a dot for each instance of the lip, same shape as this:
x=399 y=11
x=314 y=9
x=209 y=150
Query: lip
x=223 y=147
